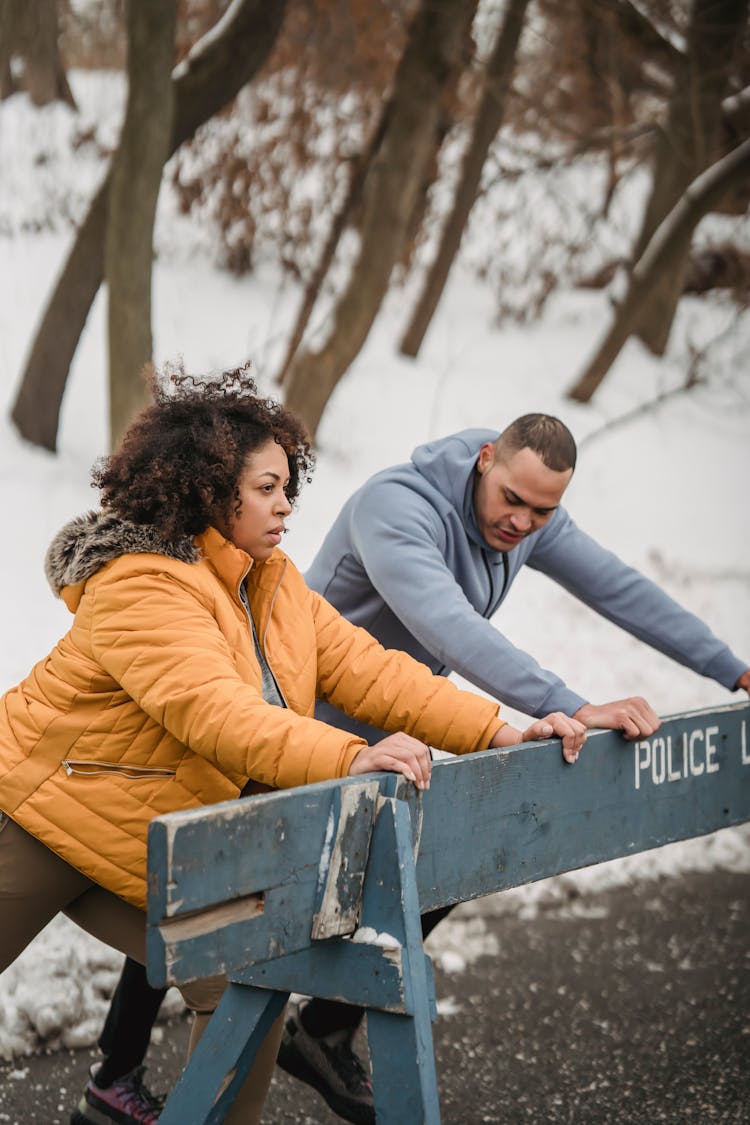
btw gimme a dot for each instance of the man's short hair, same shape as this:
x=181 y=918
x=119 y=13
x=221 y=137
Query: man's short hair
x=544 y=435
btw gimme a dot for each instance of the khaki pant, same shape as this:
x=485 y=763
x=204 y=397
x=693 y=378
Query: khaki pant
x=36 y=884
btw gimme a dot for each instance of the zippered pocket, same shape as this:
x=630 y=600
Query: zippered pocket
x=88 y=768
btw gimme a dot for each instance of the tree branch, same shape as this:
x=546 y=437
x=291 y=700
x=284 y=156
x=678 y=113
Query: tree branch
x=666 y=245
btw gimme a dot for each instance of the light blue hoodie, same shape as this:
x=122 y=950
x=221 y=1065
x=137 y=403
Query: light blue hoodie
x=405 y=560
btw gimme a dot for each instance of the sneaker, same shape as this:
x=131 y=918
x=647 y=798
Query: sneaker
x=330 y=1066
x=126 y=1101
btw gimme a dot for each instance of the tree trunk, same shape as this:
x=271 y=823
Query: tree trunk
x=450 y=99
x=28 y=31
x=689 y=143
x=667 y=246
x=135 y=178
x=338 y=226
x=488 y=120
x=36 y=410
x=637 y=27
x=214 y=72
x=436 y=38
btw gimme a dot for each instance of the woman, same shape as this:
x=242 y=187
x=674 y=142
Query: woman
x=189 y=676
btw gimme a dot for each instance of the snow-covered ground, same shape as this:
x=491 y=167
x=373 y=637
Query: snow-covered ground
x=667 y=490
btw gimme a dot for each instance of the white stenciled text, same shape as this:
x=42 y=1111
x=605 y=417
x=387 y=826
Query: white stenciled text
x=676 y=757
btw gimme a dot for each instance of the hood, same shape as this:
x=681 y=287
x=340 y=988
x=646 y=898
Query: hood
x=447 y=464
x=88 y=542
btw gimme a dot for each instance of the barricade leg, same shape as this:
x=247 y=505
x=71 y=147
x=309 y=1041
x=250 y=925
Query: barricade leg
x=401 y=1048
x=228 y=1046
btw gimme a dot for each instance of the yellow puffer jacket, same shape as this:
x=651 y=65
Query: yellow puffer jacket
x=152 y=701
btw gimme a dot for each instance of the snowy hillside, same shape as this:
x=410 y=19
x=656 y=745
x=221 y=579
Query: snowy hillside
x=666 y=490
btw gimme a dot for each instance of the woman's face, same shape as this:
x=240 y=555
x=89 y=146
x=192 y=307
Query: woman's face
x=258 y=527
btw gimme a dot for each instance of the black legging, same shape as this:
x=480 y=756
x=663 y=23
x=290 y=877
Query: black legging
x=127 y=1029
x=135 y=1005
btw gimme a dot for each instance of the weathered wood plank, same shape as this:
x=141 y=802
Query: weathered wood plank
x=501 y=819
x=489 y=821
x=265 y=855
x=228 y=1046
x=367 y=974
x=344 y=860
x=266 y=850
x=401 y=1048
x=235 y=887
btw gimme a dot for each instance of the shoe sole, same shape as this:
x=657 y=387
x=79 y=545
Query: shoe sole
x=79 y=1118
x=293 y=1063
x=94 y=1116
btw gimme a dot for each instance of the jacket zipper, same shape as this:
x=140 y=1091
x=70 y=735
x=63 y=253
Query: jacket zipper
x=83 y=768
x=262 y=643
x=489 y=609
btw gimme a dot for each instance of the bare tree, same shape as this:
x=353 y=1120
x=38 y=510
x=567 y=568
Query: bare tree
x=135 y=178
x=214 y=72
x=357 y=176
x=665 y=250
x=634 y=22
x=349 y=212
x=436 y=38
x=689 y=143
x=488 y=120
x=29 y=36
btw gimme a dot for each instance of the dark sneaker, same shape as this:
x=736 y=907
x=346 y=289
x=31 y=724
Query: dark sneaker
x=330 y=1066
x=126 y=1101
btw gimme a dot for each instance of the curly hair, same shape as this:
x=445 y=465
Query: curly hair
x=180 y=461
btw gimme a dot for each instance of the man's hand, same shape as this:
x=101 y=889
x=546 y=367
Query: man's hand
x=634 y=717
x=743 y=684
x=557 y=725
x=400 y=753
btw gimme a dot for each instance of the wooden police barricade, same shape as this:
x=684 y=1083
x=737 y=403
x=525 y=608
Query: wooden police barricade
x=319 y=889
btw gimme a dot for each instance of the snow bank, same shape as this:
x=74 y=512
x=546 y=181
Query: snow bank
x=666 y=491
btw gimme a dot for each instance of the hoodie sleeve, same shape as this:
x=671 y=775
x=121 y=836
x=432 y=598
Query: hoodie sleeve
x=391 y=691
x=615 y=590
x=401 y=541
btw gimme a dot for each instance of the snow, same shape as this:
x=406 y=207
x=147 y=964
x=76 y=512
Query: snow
x=366 y=935
x=665 y=490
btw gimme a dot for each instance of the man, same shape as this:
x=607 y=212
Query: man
x=422 y=556
x=424 y=553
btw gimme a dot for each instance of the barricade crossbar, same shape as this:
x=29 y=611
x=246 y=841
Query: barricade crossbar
x=319 y=889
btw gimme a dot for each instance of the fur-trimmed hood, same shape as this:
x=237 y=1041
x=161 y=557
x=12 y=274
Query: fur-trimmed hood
x=87 y=543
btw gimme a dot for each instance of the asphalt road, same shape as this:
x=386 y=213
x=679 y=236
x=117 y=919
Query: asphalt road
x=631 y=1007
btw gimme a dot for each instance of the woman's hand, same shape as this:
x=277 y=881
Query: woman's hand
x=400 y=753
x=557 y=725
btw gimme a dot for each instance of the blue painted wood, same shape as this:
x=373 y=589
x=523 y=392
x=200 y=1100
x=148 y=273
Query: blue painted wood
x=230 y=1042
x=504 y=818
x=341 y=872
x=277 y=851
x=359 y=973
x=401 y=1049
x=489 y=821
x=267 y=847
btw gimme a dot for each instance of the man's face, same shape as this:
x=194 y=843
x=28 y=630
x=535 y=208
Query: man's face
x=516 y=496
